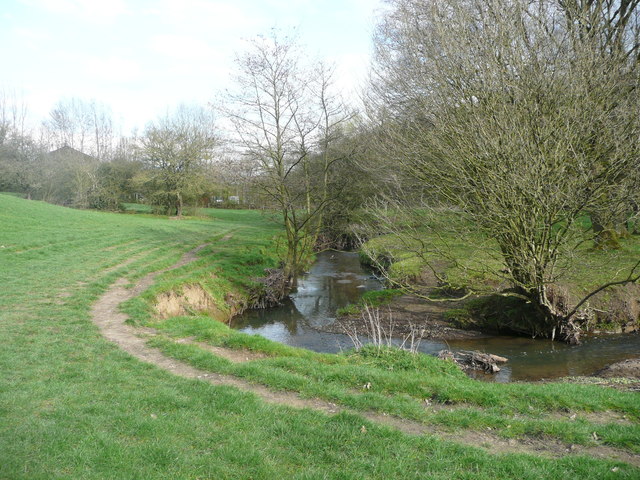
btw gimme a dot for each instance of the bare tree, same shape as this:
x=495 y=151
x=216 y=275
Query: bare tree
x=86 y=126
x=335 y=119
x=20 y=166
x=234 y=174
x=269 y=112
x=613 y=26
x=103 y=134
x=13 y=115
x=285 y=119
x=502 y=112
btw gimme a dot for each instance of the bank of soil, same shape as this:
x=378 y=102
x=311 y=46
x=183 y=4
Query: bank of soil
x=614 y=311
x=626 y=369
x=406 y=313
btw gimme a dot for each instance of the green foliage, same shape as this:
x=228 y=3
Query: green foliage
x=114 y=184
x=175 y=149
x=372 y=298
x=350 y=309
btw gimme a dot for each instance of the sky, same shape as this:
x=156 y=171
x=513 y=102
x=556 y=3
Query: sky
x=143 y=57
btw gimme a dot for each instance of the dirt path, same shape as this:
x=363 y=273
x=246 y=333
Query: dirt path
x=106 y=314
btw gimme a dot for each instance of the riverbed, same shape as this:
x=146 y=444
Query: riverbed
x=337 y=279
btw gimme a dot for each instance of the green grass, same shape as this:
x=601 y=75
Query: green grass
x=372 y=298
x=137 y=208
x=437 y=240
x=73 y=405
x=400 y=382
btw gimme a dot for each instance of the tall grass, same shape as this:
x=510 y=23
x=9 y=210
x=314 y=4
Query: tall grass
x=380 y=335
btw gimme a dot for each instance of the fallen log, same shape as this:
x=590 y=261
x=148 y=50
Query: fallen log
x=469 y=360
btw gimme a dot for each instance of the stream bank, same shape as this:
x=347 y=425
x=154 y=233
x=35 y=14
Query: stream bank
x=308 y=317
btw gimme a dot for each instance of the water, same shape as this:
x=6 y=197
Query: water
x=337 y=279
x=531 y=359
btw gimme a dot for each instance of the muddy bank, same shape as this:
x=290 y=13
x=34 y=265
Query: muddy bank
x=189 y=299
x=495 y=306
x=624 y=375
x=626 y=369
x=407 y=313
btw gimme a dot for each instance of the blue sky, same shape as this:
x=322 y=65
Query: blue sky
x=141 y=57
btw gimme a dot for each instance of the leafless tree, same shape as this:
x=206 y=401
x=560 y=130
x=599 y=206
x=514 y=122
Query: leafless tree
x=335 y=119
x=86 y=126
x=269 y=112
x=20 y=169
x=234 y=174
x=13 y=115
x=614 y=27
x=285 y=118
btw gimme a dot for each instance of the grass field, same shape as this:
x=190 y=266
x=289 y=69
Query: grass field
x=72 y=405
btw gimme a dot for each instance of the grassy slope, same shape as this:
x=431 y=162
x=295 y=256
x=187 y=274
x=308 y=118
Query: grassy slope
x=74 y=406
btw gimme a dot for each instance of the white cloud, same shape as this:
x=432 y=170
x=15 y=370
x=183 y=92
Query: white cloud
x=142 y=56
x=181 y=46
x=30 y=37
x=89 y=10
x=214 y=18
x=113 y=69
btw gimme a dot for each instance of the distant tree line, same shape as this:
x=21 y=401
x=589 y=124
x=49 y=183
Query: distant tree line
x=76 y=158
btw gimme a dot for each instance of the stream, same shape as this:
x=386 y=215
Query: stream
x=337 y=279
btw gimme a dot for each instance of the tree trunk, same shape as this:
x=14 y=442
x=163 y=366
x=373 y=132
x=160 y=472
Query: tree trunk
x=634 y=225
x=179 y=205
x=290 y=269
x=291 y=266
x=554 y=309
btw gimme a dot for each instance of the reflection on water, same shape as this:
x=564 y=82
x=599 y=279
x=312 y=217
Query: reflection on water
x=531 y=359
x=337 y=278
